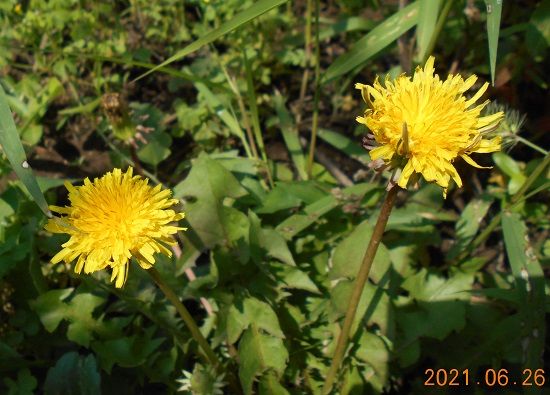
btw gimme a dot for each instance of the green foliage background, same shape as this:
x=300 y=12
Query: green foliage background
x=226 y=110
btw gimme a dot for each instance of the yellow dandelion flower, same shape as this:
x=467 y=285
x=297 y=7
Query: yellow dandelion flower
x=111 y=220
x=426 y=123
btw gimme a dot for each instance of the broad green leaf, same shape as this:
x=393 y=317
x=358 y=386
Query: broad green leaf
x=204 y=190
x=430 y=286
x=468 y=224
x=259 y=352
x=51 y=310
x=291 y=194
x=348 y=255
x=511 y=168
x=127 y=352
x=352 y=148
x=292 y=277
x=376 y=40
x=494 y=11
x=374 y=307
x=50 y=307
x=434 y=319
x=257 y=9
x=269 y=385
x=157 y=148
x=12 y=147
x=530 y=284
x=245 y=312
x=428 y=11
x=267 y=240
x=373 y=350
x=73 y=374
x=290 y=136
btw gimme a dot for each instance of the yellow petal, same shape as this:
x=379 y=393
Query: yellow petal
x=405 y=175
x=470 y=161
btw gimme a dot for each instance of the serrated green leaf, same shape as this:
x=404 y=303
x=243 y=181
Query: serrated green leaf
x=374 y=307
x=267 y=241
x=429 y=285
x=73 y=374
x=259 y=352
x=50 y=307
x=157 y=148
x=257 y=9
x=127 y=352
x=12 y=147
x=376 y=40
x=245 y=312
x=269 y=385
x=373 y=350
x=348 y=255
x=205 y=189
x=292 y=277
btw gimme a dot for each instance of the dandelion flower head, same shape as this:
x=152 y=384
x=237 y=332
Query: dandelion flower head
x=425 y=124
x=112 y=219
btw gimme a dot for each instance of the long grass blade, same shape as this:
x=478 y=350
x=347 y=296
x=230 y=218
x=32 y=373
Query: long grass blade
x=217 y=107
x=494 y=11
x=290 y=136
x=376 y=40
x=427 y=19
x=351 y=148
x=257 y=9
x=13 y=148
x=530 y=284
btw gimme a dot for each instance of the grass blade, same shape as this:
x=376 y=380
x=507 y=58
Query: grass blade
x=217 y=107
x=290 y=135
x=376 y=40
x=11 y=144
x=530 y=284
x=494 y=11
x=352 y=148
x=296 y=223
x=427 y=19
x=259 y=8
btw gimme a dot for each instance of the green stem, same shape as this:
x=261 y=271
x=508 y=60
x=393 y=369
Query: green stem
x=531 y=179
x=531 y=145
x=193 y=328
x=315 y=122
x=438 y=27
x=360 y=281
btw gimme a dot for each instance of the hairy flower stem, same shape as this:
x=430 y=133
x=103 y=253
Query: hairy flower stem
x=360 y=281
